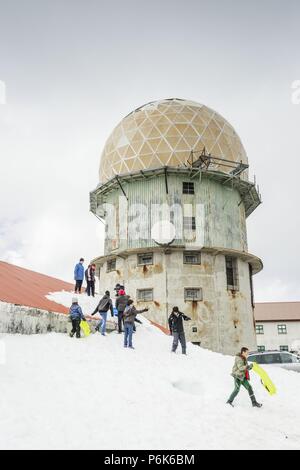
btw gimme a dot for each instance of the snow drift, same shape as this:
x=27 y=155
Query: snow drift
x=63 y=393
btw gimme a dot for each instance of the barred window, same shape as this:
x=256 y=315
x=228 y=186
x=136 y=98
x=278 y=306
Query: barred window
x=144 y=295
x=282 y=329
x=189 y=223
x=259 y=329
x=232 y=273
x=284 y=348
x=145 y=258
x=111 y=265
x=191 y=257
x=188 y=188
x=193 y=293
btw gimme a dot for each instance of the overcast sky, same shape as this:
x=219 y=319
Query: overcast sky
x=74 y=68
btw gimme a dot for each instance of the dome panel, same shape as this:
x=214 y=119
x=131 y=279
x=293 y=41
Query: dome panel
x=164 y=133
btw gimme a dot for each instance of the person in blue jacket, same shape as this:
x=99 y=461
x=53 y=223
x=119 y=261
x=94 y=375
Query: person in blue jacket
x=76 y=316
x=79 y=276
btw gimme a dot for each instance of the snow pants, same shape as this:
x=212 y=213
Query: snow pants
x=76 y=327
x=176 y=338
x=237 y=385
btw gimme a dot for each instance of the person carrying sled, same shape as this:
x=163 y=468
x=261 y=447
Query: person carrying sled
x=121 y=303
x=130 y=313
x=90 y=279
x=79 y=276
x=177 y=330
x=76 y=316
x=240 y=373
x=103 y=306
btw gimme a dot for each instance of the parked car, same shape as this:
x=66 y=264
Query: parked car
x=282 y=359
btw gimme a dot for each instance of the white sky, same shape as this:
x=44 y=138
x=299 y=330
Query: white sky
x=73 y=69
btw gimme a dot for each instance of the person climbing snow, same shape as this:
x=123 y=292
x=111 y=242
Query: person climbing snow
x=90 y=279
x=129 y=315
x=177 y=330
x=79 y=276
x=121 y=303
x=103 y=306
x=240 y=373
x=76 y=316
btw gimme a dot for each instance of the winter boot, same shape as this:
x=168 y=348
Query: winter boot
x=230 y=403
x=255 y=404
x=71 y=334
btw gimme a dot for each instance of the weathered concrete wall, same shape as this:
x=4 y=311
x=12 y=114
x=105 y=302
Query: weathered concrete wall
x=224 y=319
x=28 y=320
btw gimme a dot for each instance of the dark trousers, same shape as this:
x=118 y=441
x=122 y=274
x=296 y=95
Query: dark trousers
x=176 y=338
x=76 y=328
x=78 y=286
x=120 y=321
x=90 y=288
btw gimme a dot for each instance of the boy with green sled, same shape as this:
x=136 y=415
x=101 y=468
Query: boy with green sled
x=240 y=373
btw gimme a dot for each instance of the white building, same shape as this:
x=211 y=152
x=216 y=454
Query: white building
x=277 y=325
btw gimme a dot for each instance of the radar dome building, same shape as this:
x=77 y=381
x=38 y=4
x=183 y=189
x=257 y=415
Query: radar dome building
x=174 y=195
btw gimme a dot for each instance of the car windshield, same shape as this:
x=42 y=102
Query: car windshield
x=288 y=358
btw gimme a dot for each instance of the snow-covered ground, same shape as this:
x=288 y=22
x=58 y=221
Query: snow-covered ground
x=63 y=393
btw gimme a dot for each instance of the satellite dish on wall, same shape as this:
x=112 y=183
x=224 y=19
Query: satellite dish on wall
x=163 y=232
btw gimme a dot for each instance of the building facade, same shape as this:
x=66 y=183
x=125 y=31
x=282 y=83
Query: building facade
x=278 y=326
x=174 y=196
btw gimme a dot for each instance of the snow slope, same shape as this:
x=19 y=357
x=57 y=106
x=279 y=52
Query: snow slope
x=63 y=393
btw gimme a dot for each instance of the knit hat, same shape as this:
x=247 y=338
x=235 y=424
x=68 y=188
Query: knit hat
x=74 y=300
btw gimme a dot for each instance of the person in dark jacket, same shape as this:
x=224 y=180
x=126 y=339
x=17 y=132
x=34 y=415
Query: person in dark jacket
x=240 y=373
x=121 y=303
x=177 y=330
x=90 y=279
x=130 y=313
x=103 y=306
x=76 y=316
x=79 y=276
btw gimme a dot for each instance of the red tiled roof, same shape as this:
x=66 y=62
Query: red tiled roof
x=24 y=287
x=277 y=311
x=162 y=328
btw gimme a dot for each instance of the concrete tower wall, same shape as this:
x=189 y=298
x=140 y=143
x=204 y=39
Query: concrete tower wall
x=220 y=215
x=221 y=321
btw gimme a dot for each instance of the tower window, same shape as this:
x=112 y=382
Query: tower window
x=188 y=188
x=284 y=348
x=191 y=257
x=282 y=330
x=111 y=265
x=259 y=329
x=145 y=258
x=232 y=273
x=144 y=295
x=193 y=293
x=189 y=223
x=261 y=348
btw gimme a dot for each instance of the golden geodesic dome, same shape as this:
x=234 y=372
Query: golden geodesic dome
x=163 y=133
